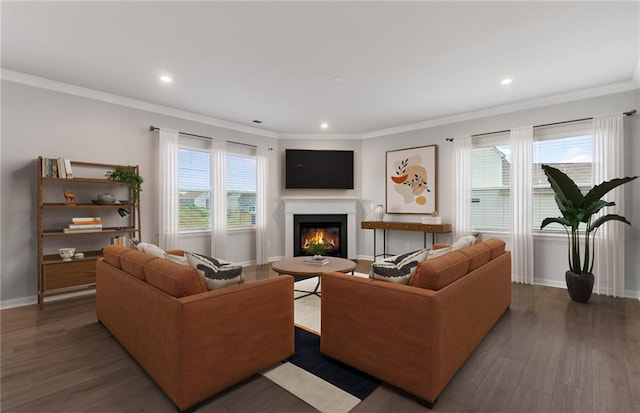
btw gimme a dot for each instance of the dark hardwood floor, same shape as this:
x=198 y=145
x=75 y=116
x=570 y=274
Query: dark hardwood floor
x=546 y=354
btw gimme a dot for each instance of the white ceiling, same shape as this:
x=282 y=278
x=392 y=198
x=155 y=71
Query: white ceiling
x=401 y=63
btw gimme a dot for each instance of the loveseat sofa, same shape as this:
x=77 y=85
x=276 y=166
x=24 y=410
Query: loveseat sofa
x=192 y=342
x=416 y=336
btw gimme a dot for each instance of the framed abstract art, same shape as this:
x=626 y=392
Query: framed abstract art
x=411 y=180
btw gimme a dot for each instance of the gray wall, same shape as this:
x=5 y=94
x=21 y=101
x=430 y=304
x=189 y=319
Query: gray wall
x=38 y=121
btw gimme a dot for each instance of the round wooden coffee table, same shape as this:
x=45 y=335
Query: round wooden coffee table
x=297 y=266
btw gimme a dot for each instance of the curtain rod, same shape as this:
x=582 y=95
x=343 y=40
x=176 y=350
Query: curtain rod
x=629 y=113
x=153 y=128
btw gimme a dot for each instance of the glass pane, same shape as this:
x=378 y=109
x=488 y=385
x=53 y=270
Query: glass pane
x=241 y=191
x=194 y=186
x=490 y=183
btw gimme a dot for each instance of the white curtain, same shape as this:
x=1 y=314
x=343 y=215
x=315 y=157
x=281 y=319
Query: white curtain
x=608 y=163
x=462 y=194
x=262 y=170
x=521 y=140
x=169 y=201
x=219 y=199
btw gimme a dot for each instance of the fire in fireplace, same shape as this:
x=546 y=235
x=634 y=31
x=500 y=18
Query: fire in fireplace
x=329 y=229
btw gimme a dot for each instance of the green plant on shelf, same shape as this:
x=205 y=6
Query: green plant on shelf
x=129 y=176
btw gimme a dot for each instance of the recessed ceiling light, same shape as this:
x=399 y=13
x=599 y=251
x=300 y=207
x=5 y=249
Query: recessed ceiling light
x=324 y=125
x=337 y=79
x=506 y=81
x=166 y=79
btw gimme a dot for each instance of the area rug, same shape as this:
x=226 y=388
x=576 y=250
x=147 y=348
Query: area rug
x=307 y=308
x=324 y=383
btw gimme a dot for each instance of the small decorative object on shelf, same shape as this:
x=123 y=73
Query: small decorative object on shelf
x=379 y=212
x=69 y=198
x=106 y=199
x=66 y=253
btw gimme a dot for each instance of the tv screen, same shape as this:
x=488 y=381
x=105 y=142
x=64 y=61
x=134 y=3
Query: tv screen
x=318 y=169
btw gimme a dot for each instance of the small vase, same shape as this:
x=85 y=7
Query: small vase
x=379 y=212
x=580 y=286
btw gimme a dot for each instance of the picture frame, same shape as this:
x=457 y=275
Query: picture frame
x=410 y=180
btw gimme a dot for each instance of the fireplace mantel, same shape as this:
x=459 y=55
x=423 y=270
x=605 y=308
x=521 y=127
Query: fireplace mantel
x=294 y=206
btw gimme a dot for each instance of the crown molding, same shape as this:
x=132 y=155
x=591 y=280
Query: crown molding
x=318 y=136
x=40 y=82
x=514 y=107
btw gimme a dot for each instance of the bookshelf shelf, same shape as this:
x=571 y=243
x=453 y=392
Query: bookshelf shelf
x=56 y=276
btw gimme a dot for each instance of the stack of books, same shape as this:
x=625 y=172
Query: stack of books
x=89 y=224
x=319 y=260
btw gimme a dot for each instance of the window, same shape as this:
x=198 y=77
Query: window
x=568 y=148
x=572 y=155
x=194 y=186
x=241 y=190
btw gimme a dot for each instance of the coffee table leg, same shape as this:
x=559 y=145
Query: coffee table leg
x=308 y=293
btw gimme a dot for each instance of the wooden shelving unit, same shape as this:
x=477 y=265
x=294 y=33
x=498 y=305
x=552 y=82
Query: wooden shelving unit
x=56 y=276
x=432 y=229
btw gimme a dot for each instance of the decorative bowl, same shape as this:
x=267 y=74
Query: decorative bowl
x=106 y=199
x=66 y=253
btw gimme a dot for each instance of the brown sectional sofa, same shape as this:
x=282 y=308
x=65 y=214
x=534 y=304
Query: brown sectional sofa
x=192 y=342
x=417 y=336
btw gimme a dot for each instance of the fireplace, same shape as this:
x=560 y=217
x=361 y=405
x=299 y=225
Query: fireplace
x=328 y=229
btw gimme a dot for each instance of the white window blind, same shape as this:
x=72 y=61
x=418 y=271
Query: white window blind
x=194 y=186
x=241 y=190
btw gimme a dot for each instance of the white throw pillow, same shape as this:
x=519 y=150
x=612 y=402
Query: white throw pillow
x=178 y=259
x=439 y=252
x=150 y=249
x=463 y=242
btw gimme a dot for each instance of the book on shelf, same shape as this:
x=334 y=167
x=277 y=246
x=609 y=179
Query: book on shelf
x=86 y=226
x=87 y=220
x=316 y=260
x=62 y=172
x=67 y=167
x=76 y=231
x=56 y=168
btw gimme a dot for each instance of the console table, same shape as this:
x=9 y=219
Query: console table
x=432 y=229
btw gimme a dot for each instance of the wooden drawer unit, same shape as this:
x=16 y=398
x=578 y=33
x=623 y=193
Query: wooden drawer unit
x=68 y=274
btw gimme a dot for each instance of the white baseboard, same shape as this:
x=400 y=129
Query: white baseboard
x=21 y=302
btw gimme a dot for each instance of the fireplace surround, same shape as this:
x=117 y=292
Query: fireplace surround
x=320 y=206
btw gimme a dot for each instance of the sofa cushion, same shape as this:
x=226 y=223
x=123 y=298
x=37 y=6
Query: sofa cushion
x=133 y=262
x=439 y=272
x=215 y=272
x=398 y=269
x=174 y=279
x=496 y=245
x=112 y=254
x=479 y=255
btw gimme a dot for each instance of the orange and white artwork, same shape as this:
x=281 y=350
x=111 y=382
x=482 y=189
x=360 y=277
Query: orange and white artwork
x=411 y=180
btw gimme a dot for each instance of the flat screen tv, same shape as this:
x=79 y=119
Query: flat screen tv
x=318 y=169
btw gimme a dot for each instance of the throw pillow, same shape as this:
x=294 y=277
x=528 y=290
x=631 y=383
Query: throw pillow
x=150 y=249
x=216 y=273
x=439 y=252
x=178 y=259
x=398 y=269
x=463 y=242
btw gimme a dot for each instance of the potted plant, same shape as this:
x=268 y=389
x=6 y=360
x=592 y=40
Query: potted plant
x=578 y=209
x=129 y=176
x=317 y=248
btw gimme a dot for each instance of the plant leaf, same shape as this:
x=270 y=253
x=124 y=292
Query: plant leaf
x=610 y=217
x=564 y=187
x=562 y=221
x=599 y=191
